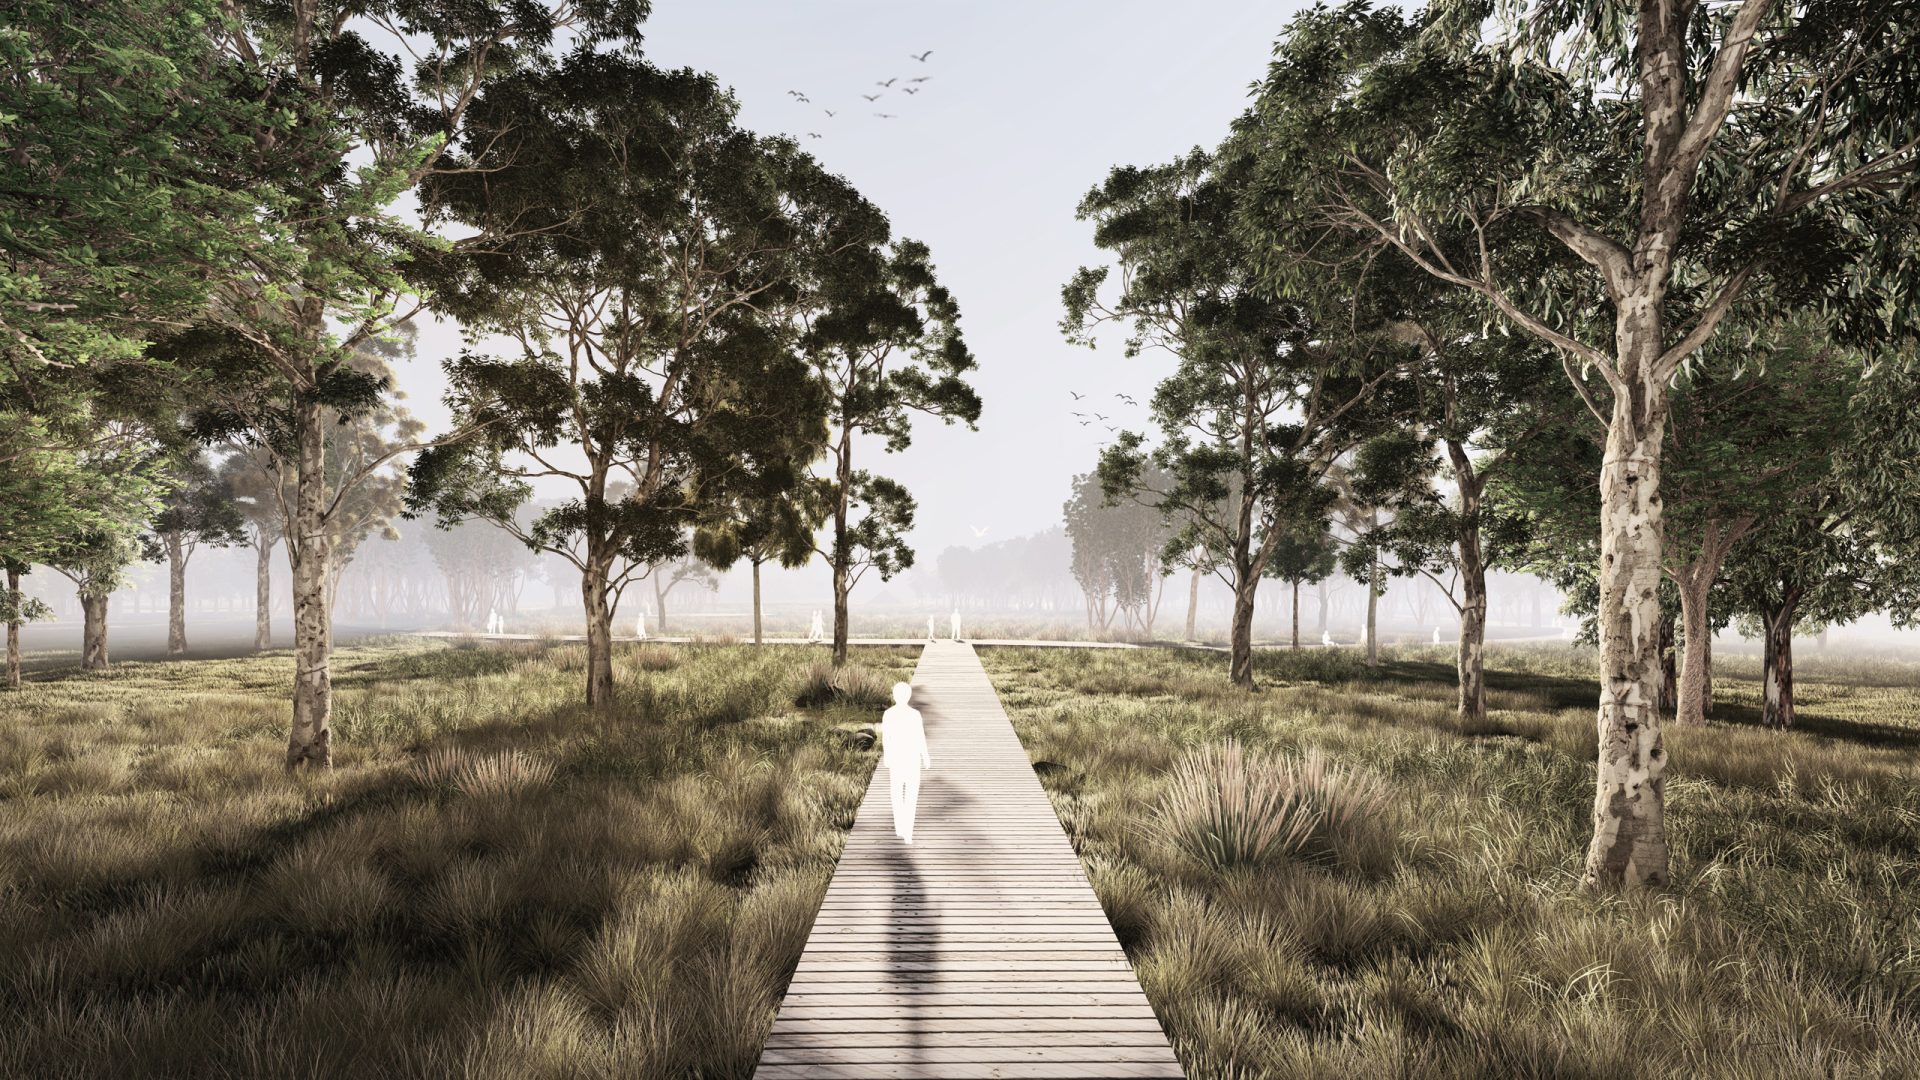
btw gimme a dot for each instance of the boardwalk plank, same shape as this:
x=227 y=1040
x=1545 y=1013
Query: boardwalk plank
x=980 y=950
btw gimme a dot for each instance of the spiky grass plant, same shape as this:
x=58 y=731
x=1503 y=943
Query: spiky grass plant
x=1231 y=809
x=851 y=685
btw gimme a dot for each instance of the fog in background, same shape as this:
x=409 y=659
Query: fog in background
x=1027 y=106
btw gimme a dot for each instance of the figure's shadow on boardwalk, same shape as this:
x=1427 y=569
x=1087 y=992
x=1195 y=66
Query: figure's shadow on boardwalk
x=912 y=969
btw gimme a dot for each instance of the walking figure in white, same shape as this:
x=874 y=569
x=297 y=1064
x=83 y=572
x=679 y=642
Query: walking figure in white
x=1436 y=635
x=493 y=620
x=640 y=628
x=956 y=624
x=929 y=628
x=903 y=750
x=1326 y=638
x=815 y=630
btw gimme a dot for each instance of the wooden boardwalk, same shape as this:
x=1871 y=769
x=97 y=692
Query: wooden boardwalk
x=978 y=951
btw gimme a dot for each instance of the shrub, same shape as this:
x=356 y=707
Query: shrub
x=1229 y=809
x=825 y=684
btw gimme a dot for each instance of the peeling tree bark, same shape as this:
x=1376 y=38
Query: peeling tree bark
x=1669 y=670
x=843 y=548
x=93 y=631
x=756 y=603
x=1776 y=676
x=1240 y=665
x=1629 y=846
x=1695 y=581
x=13 y=631
x=1469 y=558
x=1373 y=612
x=262 y=591
x=1193 y=602
x=310 y=743
x=595 y=598
x=176 y=595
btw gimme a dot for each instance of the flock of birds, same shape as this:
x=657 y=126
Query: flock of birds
x=907 y=85
x=1089 y=418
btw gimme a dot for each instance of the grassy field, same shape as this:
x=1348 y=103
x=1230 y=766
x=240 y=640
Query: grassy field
x=492 y=883
x=1439 y=931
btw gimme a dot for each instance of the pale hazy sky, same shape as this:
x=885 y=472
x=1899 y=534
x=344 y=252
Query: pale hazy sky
x=1028 y=106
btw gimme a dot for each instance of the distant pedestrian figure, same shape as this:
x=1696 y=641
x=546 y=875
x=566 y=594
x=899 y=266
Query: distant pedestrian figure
x=1326 y=638
x=1436 y=635
x=956 y=624
x=640 y=627
x=815 y=630
x=929 y=628
x=493 y=620
x=903 y=749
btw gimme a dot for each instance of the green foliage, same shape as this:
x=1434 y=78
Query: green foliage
x=1267 y=391
x=200 y=509
x=650 y=251
x=880 y=515
x=1119 y=548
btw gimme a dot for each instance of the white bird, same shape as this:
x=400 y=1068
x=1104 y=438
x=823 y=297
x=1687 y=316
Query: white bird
x=979 y=532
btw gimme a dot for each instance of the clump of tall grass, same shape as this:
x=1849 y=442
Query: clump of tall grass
x=853 y=685
x=484 y=776
x=1231 y=809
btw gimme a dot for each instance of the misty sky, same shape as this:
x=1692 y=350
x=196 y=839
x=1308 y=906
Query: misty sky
x=1028 y=105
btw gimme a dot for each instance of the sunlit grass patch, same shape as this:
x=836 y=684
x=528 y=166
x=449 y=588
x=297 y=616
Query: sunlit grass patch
x=493 y=881
x=1455 y=941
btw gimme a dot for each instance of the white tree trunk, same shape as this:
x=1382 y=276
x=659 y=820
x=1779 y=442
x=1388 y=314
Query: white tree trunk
x=310 y=743
x=1629 y=846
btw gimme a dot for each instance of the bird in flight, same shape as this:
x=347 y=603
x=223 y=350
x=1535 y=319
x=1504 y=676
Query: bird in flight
x=1076 y=397
x=1110 y=427
x=1080 y=414
x=830 y=112
x=1097 y=416
x=871 y=97
x=1126 y=399
x=797 y=96
x=979 y=532
x=885 y=115
x=920 y=78
x=1084 y=423
x=889 y=83
x=911 y=89
x=813 y=134
x=922 y=57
